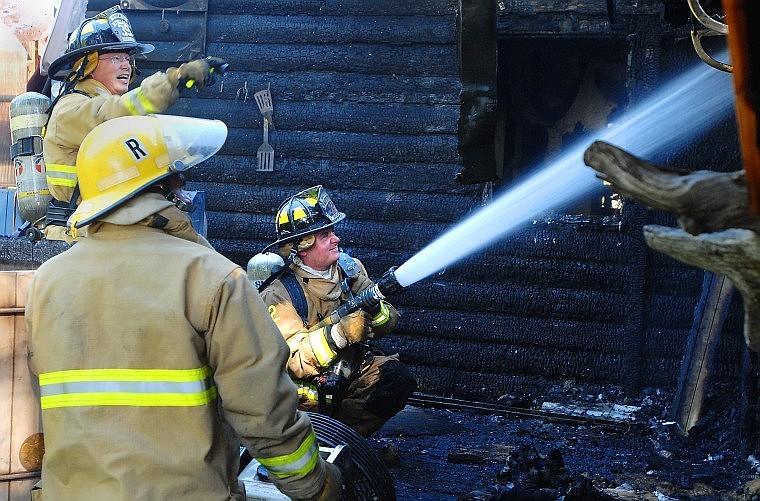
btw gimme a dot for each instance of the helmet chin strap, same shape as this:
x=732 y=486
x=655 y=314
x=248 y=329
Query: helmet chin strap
x=71 y=81
x=172 y=188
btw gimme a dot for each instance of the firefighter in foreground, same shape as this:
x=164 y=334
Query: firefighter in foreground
x=147 y=346
x=337 y=372
x=96 y=70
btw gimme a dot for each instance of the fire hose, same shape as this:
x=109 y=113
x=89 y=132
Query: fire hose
x=366 y=300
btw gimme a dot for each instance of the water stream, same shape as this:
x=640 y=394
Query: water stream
x=669 y=119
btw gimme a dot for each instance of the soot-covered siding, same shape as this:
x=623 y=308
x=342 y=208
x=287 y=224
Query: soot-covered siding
x=366 y=102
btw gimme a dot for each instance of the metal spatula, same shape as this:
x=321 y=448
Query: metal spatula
x=265 y=153
x=264 y=102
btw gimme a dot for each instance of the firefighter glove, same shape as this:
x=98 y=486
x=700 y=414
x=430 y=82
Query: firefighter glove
x=333 y=486
x=356 y=327
x=198 y=73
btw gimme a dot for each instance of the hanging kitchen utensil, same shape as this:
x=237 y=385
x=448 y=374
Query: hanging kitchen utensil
x=264 y=102
x=265 y=153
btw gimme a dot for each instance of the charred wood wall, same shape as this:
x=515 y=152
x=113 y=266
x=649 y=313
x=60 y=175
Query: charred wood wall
x=366 y=102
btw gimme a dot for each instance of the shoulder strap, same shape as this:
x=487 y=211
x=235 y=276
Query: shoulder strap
x=290 y=281
x=77 y=91
x=65 y=92
x=347 y=265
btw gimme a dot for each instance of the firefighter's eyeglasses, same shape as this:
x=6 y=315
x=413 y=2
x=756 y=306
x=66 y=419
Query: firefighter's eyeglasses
x=118 y=59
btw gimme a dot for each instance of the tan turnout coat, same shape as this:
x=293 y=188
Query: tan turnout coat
x=132 y=298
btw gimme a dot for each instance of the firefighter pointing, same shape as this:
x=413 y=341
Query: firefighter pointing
x=338 y=373
x=151 y=349
x=96 y=70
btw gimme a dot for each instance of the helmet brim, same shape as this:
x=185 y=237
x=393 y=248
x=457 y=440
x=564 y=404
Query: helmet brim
x=101 y=205
x=61 y=67
x=296 y=236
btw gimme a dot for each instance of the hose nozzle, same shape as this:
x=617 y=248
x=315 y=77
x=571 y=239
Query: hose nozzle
x=367 y=300
x=388 y=284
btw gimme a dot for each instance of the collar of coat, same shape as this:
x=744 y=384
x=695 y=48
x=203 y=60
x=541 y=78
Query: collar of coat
x=92 y=87
x=326 y=289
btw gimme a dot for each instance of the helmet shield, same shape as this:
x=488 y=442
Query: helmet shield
x=122 y=156
x=307 y=212
x=109 y=31
x=187 y=143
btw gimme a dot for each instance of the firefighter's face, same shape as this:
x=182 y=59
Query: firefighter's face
x=324 y=253
x=114 y=71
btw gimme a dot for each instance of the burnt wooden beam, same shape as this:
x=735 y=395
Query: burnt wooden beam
x=703 y=201
x=700 y=350
x=477 y=58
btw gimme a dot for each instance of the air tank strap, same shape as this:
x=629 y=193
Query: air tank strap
x=297 y=296
x=58 y=212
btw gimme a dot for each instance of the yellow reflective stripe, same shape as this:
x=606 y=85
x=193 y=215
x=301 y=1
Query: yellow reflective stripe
x=131 y=387
x=382 y=316
x=56 y=181
x=321 y=348
x=61 y=175
x=293 y=344
x=145 y=102
x=62 y=168
x=137 y=103
x=308 y=392
x=79 y=375
x=300 y=462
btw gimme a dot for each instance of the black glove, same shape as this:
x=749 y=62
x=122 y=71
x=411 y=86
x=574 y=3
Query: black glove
x=218 y=66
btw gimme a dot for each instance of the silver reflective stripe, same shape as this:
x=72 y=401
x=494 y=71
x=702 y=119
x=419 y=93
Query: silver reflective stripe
x=125 y=387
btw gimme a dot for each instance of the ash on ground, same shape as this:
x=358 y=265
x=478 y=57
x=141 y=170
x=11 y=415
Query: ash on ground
x=463 y=455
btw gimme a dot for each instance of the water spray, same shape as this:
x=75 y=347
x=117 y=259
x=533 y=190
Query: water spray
x=670 y=118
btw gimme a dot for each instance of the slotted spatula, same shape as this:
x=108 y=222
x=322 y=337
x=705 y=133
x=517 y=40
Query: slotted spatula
x=265 y=153
x=264 y=102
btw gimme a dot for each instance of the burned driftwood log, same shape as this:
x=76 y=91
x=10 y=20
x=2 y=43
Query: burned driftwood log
x=717 y=233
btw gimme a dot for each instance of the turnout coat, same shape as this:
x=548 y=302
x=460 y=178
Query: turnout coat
x=151 y=351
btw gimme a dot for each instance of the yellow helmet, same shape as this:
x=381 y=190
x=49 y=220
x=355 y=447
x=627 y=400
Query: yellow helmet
x=121 y=157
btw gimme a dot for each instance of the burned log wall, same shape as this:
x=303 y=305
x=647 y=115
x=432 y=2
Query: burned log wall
x=366 y=102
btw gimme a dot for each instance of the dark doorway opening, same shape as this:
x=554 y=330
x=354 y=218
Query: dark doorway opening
x=553 y=92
